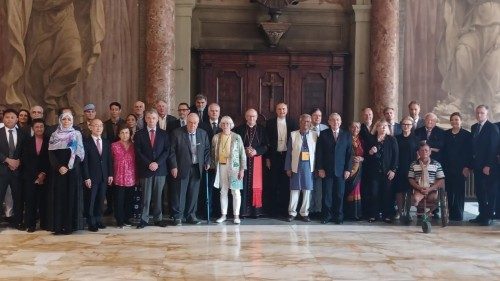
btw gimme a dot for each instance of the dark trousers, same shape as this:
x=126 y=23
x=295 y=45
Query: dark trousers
x=185 y=194
x=486 y=189
x=12 y=179
x=279 y=189
x=381 y=195
x=123 y=199
x=96 y=203
x=213 y=195
x=333 y=198
x=34 y=196
x=109 y=198
x=455 y=188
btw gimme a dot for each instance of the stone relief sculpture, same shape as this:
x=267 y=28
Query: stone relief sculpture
x=469 y=57
x=55 y=45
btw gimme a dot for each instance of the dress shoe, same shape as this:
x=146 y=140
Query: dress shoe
x=477 y=219
x=21 y=227
x=161 y=223
x=387 y=220
x=177 y=222
x=290 y=218
x=221 y=219
x=370 y=220
x=127 y=223
x=31 y=229
x=339 y=221
x=142 y=224
x=486 y=222
x=325 y=221
x=101 y=226
x=194 y=221
x=93 y=228
x=306 y=219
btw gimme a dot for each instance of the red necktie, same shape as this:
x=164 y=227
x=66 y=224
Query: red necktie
x=152 y=137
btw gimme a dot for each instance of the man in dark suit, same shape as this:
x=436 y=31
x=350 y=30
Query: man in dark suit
x=333 y=162
x=390 y=117
x=152 y=148
x=211 y=126
x=278 y=132
x=12 y=140
x=183 y=111
x=111 y=134
x=433 y=135
x=163 y=118
x=485 y=148
x=35 y=166
x=189 y=156
x=200 y=107
x=414 y=110
x=97 y=173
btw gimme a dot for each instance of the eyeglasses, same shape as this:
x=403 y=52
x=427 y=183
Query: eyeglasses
x=183 y=109
x=407 y=124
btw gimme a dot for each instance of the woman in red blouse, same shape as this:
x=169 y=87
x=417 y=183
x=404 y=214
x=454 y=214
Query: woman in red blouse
x=124 y=175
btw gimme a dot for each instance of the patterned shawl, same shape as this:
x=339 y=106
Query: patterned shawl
x=64 y=138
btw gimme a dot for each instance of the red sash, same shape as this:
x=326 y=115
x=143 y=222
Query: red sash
x=257 y=182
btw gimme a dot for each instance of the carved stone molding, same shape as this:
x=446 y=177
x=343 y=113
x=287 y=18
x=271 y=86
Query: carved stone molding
x=274 y=31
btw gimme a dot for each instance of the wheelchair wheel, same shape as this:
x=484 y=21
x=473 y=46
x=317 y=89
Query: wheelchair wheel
x=426 y=227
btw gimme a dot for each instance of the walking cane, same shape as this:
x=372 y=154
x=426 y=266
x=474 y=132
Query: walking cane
x=208 y=196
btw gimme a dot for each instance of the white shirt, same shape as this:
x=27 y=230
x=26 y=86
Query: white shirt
x=95 y=141
x=162 y=122
x=281 y=123
x=14 y=134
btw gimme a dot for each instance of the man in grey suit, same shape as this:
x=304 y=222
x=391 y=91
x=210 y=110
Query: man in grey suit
x=189 y=156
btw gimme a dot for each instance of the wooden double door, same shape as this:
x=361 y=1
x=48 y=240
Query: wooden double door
x=239 y=80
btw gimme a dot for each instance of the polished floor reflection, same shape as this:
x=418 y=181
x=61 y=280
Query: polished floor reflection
x=253 y=251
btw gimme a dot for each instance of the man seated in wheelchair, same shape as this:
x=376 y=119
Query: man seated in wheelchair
x=426 y=176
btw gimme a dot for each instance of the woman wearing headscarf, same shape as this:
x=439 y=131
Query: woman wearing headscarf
x=65 y=155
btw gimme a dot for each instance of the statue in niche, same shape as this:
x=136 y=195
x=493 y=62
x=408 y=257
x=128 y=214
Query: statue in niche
x=55 y=45
x=469 y=56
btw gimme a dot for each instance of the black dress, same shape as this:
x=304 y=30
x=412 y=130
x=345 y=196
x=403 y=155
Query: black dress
x=65 y=193
x=457 y=154
x=408 y=147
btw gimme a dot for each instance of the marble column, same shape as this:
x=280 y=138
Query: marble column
x=160 y=51
x=384 y=55
x=183 y=17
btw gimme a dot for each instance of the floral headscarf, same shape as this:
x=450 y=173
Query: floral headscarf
x=64 y=138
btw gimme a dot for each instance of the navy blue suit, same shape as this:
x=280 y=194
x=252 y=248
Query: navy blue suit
x=484 y=150
x=334 y=157
x=96 y=167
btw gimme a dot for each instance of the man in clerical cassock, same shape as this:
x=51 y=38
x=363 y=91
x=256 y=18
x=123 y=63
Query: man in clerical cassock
x=255 y=142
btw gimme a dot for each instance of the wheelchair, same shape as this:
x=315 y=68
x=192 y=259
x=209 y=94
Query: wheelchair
x=442 y=206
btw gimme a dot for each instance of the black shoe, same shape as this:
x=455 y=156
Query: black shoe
x=161 y=223
x=325 y=221
x=101 y=226
x=194 y=221
x=387 y=220
x=142 y=224
x=177 y=222
x=370 y=220
x=21 y=227
x=306 y=219
x=477 y=219
x=93 y=228
x=127 y=223
x=290 y=218
x=486 y=222
x=31 y=229
x=338 y=221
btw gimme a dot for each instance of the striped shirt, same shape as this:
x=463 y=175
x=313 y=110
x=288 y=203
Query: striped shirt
x=434 y=168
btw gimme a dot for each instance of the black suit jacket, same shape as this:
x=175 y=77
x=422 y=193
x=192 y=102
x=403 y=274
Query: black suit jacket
x=108 y=132
x=485 y=145
x=204 y=116
x=272 y=132
x=180 y=153
x=33 y=164
x=146 y=154
x=334 y=157
x=207 y=126
x=4 y=149
x=174 y=124
x=436 y=140
x=387 y=157
x=97 y=167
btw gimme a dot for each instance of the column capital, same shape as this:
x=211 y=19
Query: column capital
x=362 y=13
x=184 y=8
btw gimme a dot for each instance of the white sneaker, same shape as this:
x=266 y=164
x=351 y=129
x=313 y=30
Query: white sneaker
x=237 y=221
x=221 y=219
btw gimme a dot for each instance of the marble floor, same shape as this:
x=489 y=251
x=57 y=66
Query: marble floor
x=256 y=250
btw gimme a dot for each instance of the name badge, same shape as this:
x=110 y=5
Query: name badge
x=304 y=155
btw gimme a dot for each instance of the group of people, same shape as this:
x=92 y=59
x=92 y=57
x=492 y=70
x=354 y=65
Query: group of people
x=69 y=175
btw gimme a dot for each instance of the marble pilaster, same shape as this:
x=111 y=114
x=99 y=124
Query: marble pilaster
x=183 y=17
x=160 y=51
x=384 y=55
